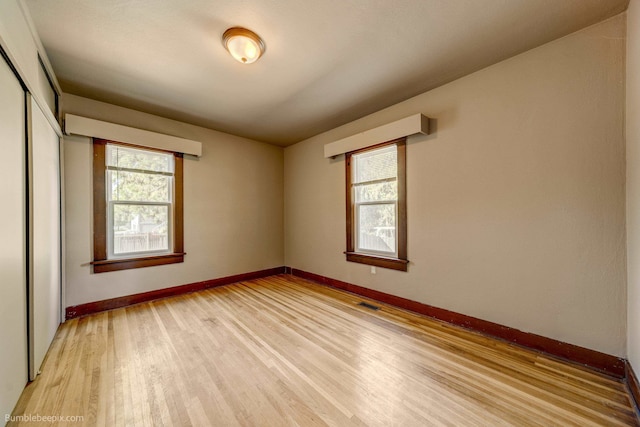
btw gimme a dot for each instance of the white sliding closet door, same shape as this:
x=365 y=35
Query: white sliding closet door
x=45 y=145
x=13 y=287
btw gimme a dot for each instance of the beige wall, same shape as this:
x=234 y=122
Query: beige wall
x=633 y=184
x=232 y=206
x=516 y=204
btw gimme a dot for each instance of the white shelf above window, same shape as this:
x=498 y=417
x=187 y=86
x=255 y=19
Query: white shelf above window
x=77 y=125
x=411 y=125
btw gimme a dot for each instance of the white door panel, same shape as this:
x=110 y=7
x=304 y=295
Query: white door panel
x=45 y=144
x=13 y=288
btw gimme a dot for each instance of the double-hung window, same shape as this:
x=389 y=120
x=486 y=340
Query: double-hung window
x=137 y=207
x=376 y=206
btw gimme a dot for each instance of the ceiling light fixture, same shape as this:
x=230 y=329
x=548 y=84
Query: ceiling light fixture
x=244 y=45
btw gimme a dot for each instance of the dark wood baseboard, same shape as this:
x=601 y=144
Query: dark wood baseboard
x=109 y=304
x=634 y=386
x=606 y=363
x=611 y=365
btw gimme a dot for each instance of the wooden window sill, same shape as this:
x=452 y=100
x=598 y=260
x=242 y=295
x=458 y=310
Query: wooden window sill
x=378 y=261
x=104 y=266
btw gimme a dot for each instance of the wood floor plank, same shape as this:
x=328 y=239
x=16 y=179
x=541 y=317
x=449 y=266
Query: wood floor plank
x=285 y=351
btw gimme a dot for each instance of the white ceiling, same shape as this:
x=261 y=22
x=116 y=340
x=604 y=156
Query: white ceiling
x=327 y=62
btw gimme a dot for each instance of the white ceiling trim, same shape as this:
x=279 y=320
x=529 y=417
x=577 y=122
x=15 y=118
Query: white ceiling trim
x=76 y=125
x=411 y=125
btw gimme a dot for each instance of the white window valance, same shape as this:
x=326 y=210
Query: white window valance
x=411 y=125
x=76 y=125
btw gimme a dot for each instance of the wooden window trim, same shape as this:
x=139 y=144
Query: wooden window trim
x=100 y=262
x=400 y=263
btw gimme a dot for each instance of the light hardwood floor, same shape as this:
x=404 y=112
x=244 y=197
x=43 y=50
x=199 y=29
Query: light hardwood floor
x=284 y=351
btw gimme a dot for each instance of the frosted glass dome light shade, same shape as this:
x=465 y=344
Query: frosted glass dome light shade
x=244 y=45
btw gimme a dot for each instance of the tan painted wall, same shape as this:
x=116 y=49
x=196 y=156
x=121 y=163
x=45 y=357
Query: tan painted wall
x=516 y=204
x=233 y=208
x=633 y=184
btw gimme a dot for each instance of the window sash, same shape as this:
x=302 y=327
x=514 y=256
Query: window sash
x=145 y=171
x=377 y=202
x=375 y=181
x=357 y=235
x=111 y=233
x=111 y=204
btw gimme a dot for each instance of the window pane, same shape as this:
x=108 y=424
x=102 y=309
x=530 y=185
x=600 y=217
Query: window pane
x=376 y=164
x=139 y=187
x=132 y=158
x=377 y=228
x=384 y=191
x=139 y=228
